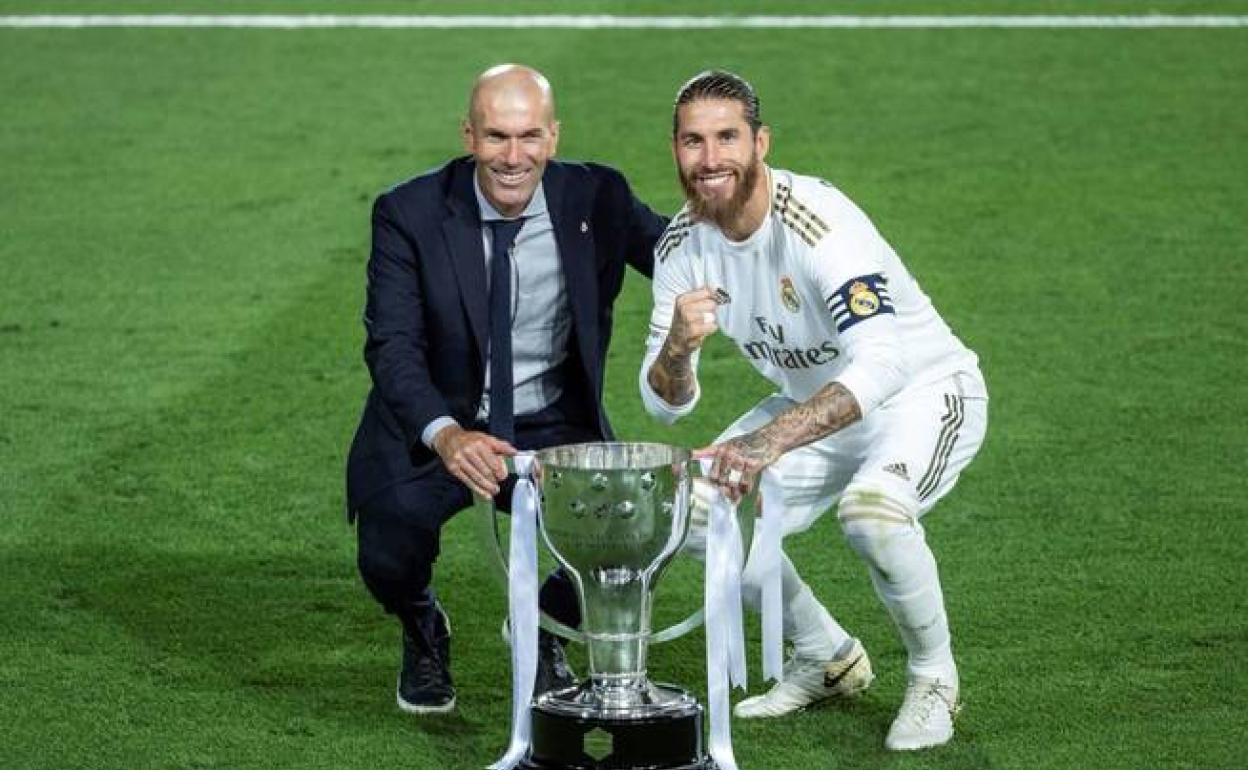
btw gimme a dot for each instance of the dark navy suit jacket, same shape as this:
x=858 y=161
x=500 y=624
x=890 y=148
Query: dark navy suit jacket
x=427 y=309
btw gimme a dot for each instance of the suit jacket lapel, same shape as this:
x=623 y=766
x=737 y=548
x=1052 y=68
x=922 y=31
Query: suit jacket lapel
x=462 y=230
x=569 y=215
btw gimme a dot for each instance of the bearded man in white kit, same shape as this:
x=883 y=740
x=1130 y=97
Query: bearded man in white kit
x=878 y=409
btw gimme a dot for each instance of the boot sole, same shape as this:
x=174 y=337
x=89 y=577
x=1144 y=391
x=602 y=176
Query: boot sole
x=421 y=708
x=416 y=708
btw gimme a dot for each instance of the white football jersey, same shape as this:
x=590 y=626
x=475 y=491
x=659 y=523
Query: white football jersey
x=800 y=296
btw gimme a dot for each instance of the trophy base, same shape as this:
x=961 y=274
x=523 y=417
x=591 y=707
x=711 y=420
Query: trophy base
x=600 y=741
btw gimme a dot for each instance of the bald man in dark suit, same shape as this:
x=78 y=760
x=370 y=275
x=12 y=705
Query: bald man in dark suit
x=490 y=290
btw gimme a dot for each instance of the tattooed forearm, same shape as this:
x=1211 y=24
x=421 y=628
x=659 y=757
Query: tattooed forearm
x=739 y=461
x=671 y=376
x=826 y=412
x=757 y=448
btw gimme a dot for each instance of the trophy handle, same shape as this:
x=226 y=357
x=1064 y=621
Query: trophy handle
x=491 y=533
x=493 y=536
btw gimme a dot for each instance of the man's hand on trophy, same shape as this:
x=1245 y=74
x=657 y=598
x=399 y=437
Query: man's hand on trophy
x=474 y=458
x=737 y=463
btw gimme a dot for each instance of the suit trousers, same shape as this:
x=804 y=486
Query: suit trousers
x=399 y=528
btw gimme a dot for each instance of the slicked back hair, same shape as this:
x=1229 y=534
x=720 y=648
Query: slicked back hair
x=719 y=84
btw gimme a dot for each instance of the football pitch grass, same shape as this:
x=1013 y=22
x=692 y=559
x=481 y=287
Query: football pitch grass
x=183 y=232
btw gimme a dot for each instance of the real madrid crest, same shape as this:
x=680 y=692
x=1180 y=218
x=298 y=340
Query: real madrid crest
x=862 y=301
x=788 y=295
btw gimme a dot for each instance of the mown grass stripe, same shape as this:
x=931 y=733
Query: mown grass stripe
x=603 y=21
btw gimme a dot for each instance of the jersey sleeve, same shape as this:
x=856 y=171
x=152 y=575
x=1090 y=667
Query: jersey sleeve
x=849 y=268
x=671 y=279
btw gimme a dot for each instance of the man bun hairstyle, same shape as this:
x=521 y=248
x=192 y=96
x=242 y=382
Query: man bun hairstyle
x=719 y=84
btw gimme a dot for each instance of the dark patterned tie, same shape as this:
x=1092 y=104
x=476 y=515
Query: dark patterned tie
x=502 y=420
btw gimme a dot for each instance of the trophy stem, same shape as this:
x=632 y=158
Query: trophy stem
x=616 y=623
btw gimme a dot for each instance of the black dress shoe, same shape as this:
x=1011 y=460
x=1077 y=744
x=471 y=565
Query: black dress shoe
x=553 y=671
x=425 y=685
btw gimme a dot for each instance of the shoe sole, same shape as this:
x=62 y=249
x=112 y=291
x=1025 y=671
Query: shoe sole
x=953 y=716
x=812 y=706
x=920 y=747
x=826 y=700
x=415 y=708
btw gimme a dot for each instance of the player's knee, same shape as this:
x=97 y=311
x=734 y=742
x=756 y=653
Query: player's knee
x=382 y=562
x=389 y=553
x=695 y=542
x=879 y=526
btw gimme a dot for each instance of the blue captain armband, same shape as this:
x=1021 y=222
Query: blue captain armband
x=859 y=299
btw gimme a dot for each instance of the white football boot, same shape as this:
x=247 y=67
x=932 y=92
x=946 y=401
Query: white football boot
x=926 y=715
x=807 y=682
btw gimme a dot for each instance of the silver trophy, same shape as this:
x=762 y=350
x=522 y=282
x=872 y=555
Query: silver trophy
x=614 y=515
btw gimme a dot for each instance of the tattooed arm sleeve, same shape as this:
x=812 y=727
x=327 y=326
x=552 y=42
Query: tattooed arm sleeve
x=669 y=383
x=671 y=376
x=823 y=414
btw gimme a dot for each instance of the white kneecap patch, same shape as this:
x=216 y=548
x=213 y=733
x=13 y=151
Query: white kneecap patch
x=874 y=521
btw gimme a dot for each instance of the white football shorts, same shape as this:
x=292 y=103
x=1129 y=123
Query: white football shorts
x=914 y=447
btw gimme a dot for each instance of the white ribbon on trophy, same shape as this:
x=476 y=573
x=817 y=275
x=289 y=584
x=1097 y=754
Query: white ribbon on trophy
x=522 y=609
x=725 y=641
x=766 y=552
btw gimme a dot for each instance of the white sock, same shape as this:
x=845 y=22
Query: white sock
x=904 y=573
x=813 y=632
x=807 y=624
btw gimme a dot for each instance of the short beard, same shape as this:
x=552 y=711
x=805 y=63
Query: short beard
x=722 y=214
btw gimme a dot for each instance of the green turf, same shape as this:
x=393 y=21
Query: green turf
x=183 y=230
x=628 y=7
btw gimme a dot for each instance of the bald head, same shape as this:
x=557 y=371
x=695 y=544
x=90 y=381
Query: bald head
x=511 y=131
x=511 y=86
